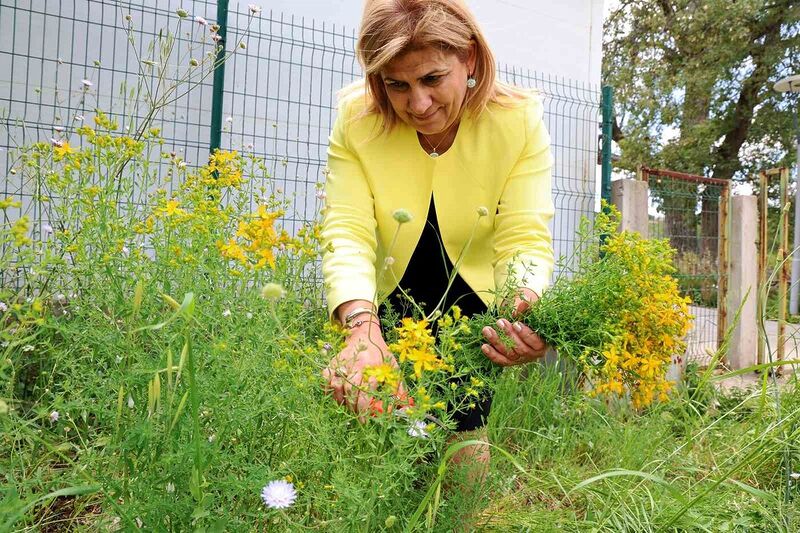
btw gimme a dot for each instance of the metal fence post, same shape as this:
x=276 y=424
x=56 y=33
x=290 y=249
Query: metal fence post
x=608 y=115
x=219 y=77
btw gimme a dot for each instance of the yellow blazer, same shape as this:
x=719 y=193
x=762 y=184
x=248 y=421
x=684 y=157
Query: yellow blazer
x=500 y=160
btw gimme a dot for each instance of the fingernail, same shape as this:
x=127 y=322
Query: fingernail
x=487 y=331
x=517 y=327
x=501 y=323
x=485 y=348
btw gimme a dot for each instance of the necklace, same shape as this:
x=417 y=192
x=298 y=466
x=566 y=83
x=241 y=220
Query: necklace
x=435 y=149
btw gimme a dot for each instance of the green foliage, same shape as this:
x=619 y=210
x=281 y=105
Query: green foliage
x=702 y=73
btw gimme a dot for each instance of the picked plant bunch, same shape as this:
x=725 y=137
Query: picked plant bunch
x=617 y=313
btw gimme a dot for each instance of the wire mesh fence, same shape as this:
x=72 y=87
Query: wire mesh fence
x=690 y=212
x=62 y=62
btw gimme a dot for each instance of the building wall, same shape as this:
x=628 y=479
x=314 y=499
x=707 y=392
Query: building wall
x=560 y=38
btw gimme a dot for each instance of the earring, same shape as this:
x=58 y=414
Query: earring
x=471 y=83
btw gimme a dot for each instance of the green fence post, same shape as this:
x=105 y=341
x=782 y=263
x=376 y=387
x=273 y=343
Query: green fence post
x=219 y=77
x=608 y=114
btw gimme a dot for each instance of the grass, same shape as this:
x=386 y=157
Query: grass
x=705 y=461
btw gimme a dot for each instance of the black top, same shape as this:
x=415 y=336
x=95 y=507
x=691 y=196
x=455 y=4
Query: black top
x=425 y=279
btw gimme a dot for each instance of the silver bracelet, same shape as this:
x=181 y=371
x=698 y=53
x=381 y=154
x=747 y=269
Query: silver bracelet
x=348 y=318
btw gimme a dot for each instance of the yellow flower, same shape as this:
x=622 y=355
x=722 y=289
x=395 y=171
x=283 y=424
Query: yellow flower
x=424 y=360
x=171 y=209
x=19 y=230
x=9 y=202
x=61 y=149
x=384 y=374
x=232 y=250
x=650 y=367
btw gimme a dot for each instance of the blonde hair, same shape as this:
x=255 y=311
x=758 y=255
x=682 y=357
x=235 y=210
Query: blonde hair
x=390 y=28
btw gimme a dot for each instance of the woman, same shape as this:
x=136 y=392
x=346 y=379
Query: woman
x=432 y=132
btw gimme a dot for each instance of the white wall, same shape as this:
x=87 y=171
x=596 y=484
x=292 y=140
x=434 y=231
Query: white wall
x=561 y=38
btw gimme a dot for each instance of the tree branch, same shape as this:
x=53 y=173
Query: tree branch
x=727 y=155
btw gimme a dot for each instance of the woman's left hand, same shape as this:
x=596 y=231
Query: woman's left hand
x=528 y=346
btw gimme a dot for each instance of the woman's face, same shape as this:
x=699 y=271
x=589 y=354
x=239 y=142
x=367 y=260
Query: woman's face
x=426 y=87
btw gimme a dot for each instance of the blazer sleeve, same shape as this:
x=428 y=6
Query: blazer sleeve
x=523 y=245
x=348 y=224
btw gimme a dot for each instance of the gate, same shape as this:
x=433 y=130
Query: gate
x=692 y=213
x=781 y=241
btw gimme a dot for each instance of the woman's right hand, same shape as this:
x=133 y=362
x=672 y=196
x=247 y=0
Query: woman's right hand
x=365 y=347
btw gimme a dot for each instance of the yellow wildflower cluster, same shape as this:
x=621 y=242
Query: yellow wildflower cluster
x=9 y=202
x=415 y=344
x=255 y=240
x=19 y=231
x=384 y=374
x=652 y=323
x=224 y=169
x=452 y=327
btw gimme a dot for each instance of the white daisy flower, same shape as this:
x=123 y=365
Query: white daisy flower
x=86 y=83
x=200 y=20
x=54 y=417
x=3 y=307
x=418 y=430
x=55 y=142
x=59 y=129
x=28 y=348
x=278 y=494
x=47 y=228
x=254 y=9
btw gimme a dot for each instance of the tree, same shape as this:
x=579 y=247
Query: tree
x=693 y=83
x=693 y=87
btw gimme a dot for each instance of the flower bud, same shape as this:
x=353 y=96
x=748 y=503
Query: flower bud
x=272 y=291
x=402 y=216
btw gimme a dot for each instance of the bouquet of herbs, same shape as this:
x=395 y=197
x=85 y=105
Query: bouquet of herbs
x=617 y=313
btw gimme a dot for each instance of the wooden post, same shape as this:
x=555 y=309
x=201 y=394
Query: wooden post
x=763 y=194
x=722 y=261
